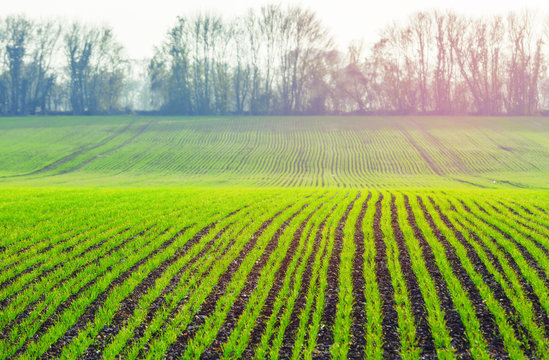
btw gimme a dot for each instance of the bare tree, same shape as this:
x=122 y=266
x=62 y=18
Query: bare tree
x=303 y=36
x=244 y=69
x=476 y=45
x=277 y=60
x=444 y=67
x=353 y=82
x=252 y=37
x=421 y=38
x=170 y=70
x=28 y=79
x=79 y=44
x=18 y=31
x=525 y=66
x=95 y=67
x=544 y=86
x=40 y=70
x=396 y=70
x=270 y=24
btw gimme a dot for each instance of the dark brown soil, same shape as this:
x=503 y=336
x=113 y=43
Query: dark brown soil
x=91 y=310
x=522 y=207
x=160 y=301
x=288 y=340
x=207 y=308
x=453 y=320
x=46 y=272
x=130 y=303
x=523 y=217
x=517 y=218
x=423 y=332
x=529 y=258
x=488 y=327
x=325 y=337
x=324 y=342
x=391 y=344
x=539 y=209
x=30 y=307
x=94 y=246
x=540 y=314
x=358 y=335
x=239 y=306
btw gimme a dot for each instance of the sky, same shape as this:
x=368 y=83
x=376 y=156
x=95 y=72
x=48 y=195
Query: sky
x=140 y=25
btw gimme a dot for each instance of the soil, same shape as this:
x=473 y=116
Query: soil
x=289 y=335
x=453 y=320
x=488 y=327
x=325 y=340
x=30 y=307
x=130 y=303
x=423 y=332
x=391 y=340
x=239 y=306
x=325 y=337
x=177 y=348
x=89 y=314
x=358 y=335
x=525 y=253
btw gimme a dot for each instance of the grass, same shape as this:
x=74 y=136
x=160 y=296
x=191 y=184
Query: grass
x=274 y=237
x=195 y=288
x=356 y=152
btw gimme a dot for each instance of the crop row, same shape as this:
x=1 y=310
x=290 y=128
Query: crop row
x=275 y=274
x=356 y=152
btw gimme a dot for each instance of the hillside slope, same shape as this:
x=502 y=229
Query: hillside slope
x=352 y=152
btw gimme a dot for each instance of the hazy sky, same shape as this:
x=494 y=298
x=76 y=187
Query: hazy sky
x=140 y=24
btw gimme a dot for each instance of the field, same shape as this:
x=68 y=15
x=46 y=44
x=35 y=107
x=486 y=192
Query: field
x=290 y=238
x=428 y=152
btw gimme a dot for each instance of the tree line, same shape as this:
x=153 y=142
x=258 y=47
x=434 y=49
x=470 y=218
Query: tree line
x=279 y=60
x=46 y=69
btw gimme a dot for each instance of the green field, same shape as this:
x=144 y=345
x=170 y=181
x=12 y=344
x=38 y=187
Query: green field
x=273 y=237
x=361 y=152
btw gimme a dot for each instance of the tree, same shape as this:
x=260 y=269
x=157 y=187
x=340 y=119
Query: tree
x=303 y=35
x=40 y=70
x=169 y=70
x=421 y=37
x=95 y=69
x=280 y=60
x=352 y=82
x=270 y=25
x=244 y=70
x=27 y=78
x=396 y=71
x=444 y=68
x=525 y=66
x=17 y=33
